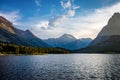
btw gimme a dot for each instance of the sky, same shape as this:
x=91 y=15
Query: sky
x=53 y=18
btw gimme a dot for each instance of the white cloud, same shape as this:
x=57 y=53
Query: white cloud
x=87 y=25
x=69 y=8
x=13 y=16
x=66 y=5
x=71 y=12
x=74 y=7
x=47 y=33
x=55 y=22
x=42 y=24
x=37 y=2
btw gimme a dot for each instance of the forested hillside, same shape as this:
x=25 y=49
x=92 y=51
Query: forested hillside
x=6 y=48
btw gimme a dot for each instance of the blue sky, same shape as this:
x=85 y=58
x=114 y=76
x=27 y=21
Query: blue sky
x=32 y=8
x=52 y=18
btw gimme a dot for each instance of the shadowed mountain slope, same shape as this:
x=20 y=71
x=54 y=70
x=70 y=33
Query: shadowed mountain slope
x=10 y=34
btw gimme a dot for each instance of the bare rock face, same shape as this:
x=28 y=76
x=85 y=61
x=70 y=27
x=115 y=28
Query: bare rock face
x=5 y=24
x=113 y=26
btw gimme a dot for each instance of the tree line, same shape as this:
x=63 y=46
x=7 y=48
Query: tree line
x=6 y=48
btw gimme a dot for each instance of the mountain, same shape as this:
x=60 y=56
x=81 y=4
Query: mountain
x=62 y=40
x=108 y=39
x=77 y=44
x=6 y=25
x=10 y=34
x=68 y=41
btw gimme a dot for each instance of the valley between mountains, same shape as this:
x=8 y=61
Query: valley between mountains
x=107 y=40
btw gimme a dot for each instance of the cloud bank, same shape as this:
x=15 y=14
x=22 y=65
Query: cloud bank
x=82 y=26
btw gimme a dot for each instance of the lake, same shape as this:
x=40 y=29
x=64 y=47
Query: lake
x=61 y=67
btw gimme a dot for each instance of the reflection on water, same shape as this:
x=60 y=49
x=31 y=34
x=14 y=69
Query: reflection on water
x=61 y=67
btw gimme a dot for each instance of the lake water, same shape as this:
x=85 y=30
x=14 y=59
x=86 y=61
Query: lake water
x=61 y=67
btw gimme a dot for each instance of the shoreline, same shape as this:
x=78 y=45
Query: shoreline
x=19 y=54
x=46 y=53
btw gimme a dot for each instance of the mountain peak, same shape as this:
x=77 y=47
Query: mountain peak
x=4 y=20
x=61 y=41
x=20 y=37
x=6 y=25
x=108 y=39
x=116 y=14
x=67 y=36
x=115 y=19
x=29 y=33
x=113 y=26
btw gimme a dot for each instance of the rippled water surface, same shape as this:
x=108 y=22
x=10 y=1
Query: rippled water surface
x=61 y=67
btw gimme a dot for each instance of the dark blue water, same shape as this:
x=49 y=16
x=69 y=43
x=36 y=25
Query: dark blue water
x=61 y=67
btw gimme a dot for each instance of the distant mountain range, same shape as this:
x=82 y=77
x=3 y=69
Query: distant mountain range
x=78 y=44
x=108 y=40
x=10 y=34
x=62 y=40
x=68 y=41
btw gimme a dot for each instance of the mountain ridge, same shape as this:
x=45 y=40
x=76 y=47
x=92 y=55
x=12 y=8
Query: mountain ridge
x=7 y=25
x=77 y=44
x=68 y=41
x=58 y=42
x=10 y=34
x=113 y=26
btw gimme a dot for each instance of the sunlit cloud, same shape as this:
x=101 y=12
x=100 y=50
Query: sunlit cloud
x=69 y=12
x=87 y=25
x=66 y=4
